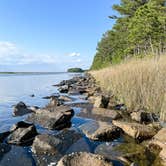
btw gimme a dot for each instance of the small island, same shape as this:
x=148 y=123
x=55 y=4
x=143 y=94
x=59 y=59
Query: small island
x=75 y=70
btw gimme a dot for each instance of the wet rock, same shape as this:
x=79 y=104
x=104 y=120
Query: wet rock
x=144 y=117
x=136 y=130
x=54 y=101
x=4 y=135
x=63 y=89
x=46 y=144
x=100 y=130
x=159 y=142
x=74 y=92
x=101 y=101
x=22 y=134
x=15 y=155
x=21 y=109
x=32 y=95
x=100 y=114
x=65 y=98
x=126 y=153
x=55 y=118
x=82 y=159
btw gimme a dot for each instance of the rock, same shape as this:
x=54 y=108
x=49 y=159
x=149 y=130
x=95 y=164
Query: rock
x=32 y=95
x=136 y=130
x=63 y=89
x=54 y=101
x=101 y=101
x=55 y=118
x=22 y=134
x=100 y=130
x=74 y=92
x=159 y=142
x=65 y=98
x=21 y=109
x=123 y=152
x=83 y=159
x=4 y=135
x=46 y=144
x=100 y=114
x=144 y=117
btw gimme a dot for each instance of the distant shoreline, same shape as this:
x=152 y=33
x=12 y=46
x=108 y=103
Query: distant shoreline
x=27 y=73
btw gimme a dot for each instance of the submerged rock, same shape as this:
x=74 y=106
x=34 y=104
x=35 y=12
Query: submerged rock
x=4 y=135
x=55 y=118
x=136 y=130
x=82 y=159
x=22 y=134
x=100 y=130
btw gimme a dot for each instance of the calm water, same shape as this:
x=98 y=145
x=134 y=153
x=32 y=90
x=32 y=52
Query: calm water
x=15 y=88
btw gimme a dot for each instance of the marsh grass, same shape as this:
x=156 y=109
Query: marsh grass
x=139 y=83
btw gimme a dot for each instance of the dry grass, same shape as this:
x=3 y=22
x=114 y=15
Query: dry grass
x=139 y=83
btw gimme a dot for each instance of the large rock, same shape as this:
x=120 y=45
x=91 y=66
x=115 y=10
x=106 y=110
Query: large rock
x=46 y=144
x=22 y=134
x=159 y=142
x=101 y=101
x=83 y=159
x=53 y=117
x=136 y=130
x=100 y=130
x=144 y=117
x=63 y=89
x=21 y=109
x=100 y=114
x=56 y=144
x=4 y=135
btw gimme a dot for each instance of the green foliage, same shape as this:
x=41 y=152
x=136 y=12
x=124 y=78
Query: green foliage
x=75 y=70
x=140 y=30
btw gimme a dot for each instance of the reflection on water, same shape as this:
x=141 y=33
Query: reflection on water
x=15 y=88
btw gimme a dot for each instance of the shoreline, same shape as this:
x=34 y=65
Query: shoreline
x=103 y=126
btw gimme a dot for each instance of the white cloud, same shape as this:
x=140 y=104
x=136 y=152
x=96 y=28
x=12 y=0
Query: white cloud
x=10 y=54
x=74 y=54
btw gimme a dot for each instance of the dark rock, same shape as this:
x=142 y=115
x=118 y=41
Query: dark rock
x=82 y=159
x=144 y=117
x=63 y=89
x=100 y=130
x=4 y=135
x=21 y=109
x=32 y=95
x=22 y=134
x=55 y=118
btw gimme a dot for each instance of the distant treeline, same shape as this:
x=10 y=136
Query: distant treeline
x=75 y=70
x=140 y=30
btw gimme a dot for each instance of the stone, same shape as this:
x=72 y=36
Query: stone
x=136 y=130
x=21 y=109
x=22 y=134
x=63 y=89
x=159 y=142
x=97 y=130
x=4 y=135
x=46 y=144
x=100 y=114
x=65 y=98
x=82 y=159
x=101 y=101
x=144 y=117
x=55 y=118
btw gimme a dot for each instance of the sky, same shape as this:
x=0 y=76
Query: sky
x=51 y=35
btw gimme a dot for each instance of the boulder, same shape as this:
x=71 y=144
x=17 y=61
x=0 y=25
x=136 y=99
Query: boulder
x=21 y=109
x=101 y=101
x=136 y=130
x=101 y=114
x=82 y=159
x=55 y=144
x=65 y=98
x=159 y=142
x=4 y=135
x=100 y=131
x=46 y=144
x=22 y=134
x=55 y=118
x=63 y=89
x=144 y=117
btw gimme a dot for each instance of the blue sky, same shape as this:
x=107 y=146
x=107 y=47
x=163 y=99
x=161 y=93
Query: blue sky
x=51 y=35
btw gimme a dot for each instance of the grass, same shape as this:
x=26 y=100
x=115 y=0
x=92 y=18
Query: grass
x=138 y=83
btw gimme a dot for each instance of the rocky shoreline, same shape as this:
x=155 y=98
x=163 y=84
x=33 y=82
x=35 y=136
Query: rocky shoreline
x=118 y=136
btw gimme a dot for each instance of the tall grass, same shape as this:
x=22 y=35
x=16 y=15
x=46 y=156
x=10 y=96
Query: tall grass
x=139 y=83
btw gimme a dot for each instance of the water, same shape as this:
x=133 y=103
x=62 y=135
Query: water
x=19 y=87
